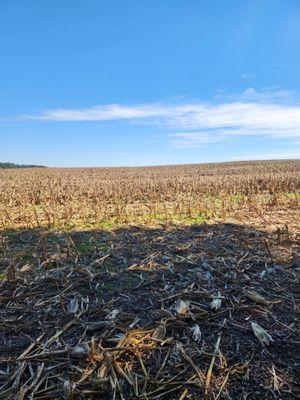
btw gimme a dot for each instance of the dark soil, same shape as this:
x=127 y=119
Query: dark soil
x=150 y=313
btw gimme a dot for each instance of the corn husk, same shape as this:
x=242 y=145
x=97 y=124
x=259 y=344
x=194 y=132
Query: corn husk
x=262 y=335
x=256 y=298
x=182 y=307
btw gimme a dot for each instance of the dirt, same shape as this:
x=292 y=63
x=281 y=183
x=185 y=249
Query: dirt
x=150 y=313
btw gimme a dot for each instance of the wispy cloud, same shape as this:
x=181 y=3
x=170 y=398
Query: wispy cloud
x=268 y=113
x=268 y=156
x=108 y=112
x=187 y=140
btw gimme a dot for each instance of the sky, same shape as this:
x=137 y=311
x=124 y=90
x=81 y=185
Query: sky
x=148 y=82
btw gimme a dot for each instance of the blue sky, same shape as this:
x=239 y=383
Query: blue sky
x=144 y=82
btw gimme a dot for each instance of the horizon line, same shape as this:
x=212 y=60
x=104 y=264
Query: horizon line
x=37 y=166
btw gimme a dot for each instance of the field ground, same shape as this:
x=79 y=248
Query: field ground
x=148 y=283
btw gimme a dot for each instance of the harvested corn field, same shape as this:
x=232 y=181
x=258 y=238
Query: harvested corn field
x=154 y=283
x=100 y=196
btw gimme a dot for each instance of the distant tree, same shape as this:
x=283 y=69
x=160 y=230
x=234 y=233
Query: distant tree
x=12 y=165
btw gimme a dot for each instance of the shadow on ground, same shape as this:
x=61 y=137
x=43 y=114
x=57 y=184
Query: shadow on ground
x=149 y=313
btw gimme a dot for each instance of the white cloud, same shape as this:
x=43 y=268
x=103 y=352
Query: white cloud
x=268 y=156
x=268 y=113
x=107 y=112
x=187 y=140
x=270 y=95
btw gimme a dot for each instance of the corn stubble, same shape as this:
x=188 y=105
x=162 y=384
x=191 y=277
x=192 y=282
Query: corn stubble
x=194 y=296
x=195 y=193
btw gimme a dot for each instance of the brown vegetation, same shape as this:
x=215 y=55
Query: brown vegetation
x=194 y=295
x=91 y=197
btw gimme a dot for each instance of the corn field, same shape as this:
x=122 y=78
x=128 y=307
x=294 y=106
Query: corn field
x=91 y=197
x=162 y=306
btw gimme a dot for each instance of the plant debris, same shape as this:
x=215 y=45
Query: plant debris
x=149 y=313
x=262 y=335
